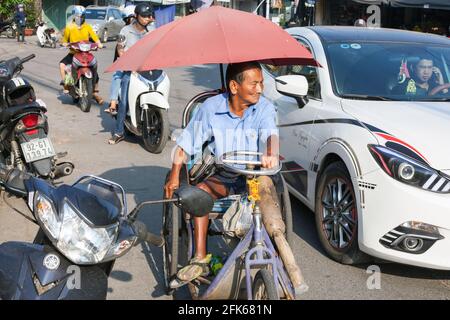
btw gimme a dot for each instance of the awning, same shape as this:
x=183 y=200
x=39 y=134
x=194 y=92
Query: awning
x=427 y=4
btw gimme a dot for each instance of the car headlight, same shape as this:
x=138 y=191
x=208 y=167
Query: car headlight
x=81 y=243
x=408 y=170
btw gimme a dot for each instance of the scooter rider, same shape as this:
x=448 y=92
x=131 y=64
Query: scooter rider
x=129 y=35
x=128 y=16
x=76 y=31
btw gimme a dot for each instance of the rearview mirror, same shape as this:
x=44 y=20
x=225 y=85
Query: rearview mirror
x=110 y=18
x=294 y=86
x=195 y=201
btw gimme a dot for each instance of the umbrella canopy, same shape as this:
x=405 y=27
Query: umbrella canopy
x=214 y=35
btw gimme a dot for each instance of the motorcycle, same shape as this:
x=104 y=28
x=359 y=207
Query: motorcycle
x=9 y=29
x=46 y=36
x=147 y=115
x=80 y=76
x=24 y=143
x=84 y=228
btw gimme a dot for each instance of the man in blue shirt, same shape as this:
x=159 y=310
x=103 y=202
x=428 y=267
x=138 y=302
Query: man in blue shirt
x=21 y=19
x=237 y=120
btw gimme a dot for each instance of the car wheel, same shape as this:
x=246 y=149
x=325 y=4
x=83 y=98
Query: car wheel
x=104 y=36
x=336 y=215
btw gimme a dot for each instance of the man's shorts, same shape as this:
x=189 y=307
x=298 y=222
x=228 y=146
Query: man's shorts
x=67 y=60
x=235 y=184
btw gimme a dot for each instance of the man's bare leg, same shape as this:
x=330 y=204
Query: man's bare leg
x=97 y=97
x=62 y=71
x=217 y=190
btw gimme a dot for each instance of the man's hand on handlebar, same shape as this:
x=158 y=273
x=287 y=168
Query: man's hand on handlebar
x=171 y=185
x=269 y=162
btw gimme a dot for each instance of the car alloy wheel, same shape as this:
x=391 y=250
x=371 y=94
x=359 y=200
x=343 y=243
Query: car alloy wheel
x=339 y=221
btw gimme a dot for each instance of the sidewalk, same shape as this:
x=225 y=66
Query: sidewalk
x=10 y=47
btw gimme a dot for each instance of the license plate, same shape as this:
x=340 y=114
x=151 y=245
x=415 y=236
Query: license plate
x=37 y=149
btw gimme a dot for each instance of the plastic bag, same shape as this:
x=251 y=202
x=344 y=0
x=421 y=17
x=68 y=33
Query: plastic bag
x=238 y=219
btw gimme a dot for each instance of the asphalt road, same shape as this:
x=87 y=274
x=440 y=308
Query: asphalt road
x=138 y=275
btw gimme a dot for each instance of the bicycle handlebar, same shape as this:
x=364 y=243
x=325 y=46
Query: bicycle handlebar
x=228 y=159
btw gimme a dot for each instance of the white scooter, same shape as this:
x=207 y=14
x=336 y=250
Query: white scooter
x=46 y=35
x=147 y=115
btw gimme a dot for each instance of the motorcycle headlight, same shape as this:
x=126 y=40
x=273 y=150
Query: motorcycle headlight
x=84 y=47
x=80 y=242
x=408 y=170
x=46 y=214
x=75 y=238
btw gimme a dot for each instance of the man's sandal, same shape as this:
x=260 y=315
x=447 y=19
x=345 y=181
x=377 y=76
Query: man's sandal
x=112 y=111
x=195 y=268
x=116 y=139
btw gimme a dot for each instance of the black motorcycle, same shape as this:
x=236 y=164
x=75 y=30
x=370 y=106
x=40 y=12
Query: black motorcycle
x=8 y=28
x=24 y=143
x=84 y=228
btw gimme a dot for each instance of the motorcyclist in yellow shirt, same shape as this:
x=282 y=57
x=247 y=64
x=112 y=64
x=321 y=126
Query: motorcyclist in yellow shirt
x=76 y=31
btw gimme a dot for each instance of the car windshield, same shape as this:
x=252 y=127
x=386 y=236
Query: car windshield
x=95 y=14
x=390 y=71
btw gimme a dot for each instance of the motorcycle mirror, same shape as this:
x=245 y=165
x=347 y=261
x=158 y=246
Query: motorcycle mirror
x=195 y=201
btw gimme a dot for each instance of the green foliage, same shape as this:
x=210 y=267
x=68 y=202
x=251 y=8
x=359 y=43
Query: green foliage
x=8 y=9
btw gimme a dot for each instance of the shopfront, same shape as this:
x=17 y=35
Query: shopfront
x=431 y=16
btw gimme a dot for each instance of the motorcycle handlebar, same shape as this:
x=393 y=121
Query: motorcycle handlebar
x=13 y=180
x=144 y=235
x=28 y=58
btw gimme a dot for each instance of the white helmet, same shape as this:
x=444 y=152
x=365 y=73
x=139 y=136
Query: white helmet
x=360 y=23
x=128 y=12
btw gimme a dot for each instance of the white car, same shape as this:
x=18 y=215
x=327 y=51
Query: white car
x=365 y=141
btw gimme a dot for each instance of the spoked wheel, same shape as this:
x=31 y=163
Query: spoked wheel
x=87 y=91
x=264 y=287
x=155 y=129
x=336 y=215
x=10 y=33
x=177 y=240
x=170 y=222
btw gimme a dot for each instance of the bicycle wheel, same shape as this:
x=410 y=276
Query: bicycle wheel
x=170 y=222
x=264 y=287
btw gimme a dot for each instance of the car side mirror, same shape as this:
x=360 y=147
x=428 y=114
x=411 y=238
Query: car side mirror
x=294 y=86
x=195 y=201
x=110 y=19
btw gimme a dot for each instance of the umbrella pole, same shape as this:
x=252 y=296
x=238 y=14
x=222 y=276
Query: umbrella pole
x=222 y=79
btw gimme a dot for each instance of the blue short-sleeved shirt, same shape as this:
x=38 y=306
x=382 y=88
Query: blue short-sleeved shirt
x=215 y=123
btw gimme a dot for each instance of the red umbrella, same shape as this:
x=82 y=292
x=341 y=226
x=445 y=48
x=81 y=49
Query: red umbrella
x=214 y=35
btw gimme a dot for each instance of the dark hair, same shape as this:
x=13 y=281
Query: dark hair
x=424 y=56
x=235 y=71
